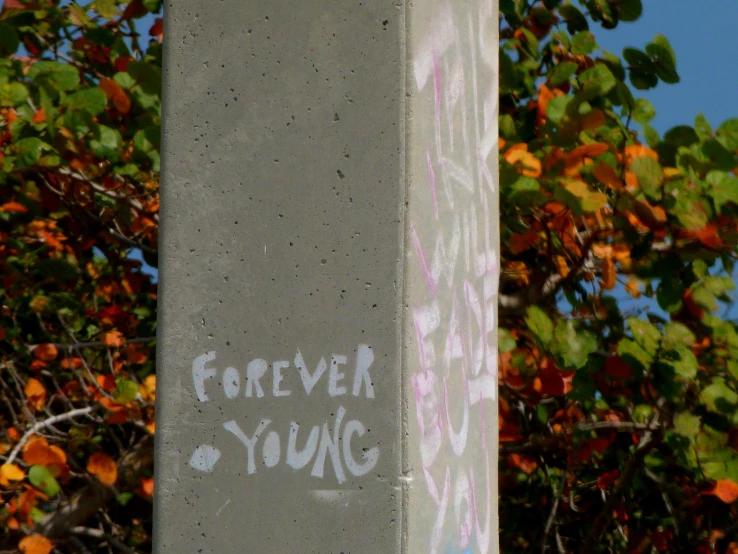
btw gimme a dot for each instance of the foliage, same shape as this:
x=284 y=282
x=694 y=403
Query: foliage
x=619 y=419
x=80 y=114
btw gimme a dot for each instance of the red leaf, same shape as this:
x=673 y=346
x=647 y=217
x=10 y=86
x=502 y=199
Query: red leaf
x=617 y=368
x=157 y=29
x=608 y=479
x=14 y=5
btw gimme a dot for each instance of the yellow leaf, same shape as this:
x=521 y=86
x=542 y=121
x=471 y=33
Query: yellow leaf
x=11 y=472
x=601 y=250
x=148 y=388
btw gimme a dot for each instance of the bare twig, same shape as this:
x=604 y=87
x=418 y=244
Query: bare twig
x=70 y=347
x=647 y=443
x=46 y=423
x=97 y=534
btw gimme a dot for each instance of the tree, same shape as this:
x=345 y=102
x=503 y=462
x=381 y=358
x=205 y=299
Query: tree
x=79 y=165
x=619 y=429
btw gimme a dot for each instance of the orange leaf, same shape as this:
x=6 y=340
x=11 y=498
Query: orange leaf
x=46 y=352
x=35 y=544
x=116 y=94
x=592 y=120
x=13 y=207
x=103 y=467
x=632 y=288
x=608 y=274
x=606 y=175
x=38 y=452
x=36 y=393
x=725 y=490
x=146 y=489
x=588 y=150
x=517 y=155
x=639 y=151
x=114 y=339
x=561 y=266
x=526 y=464
x=653 y=217
x=39 y=116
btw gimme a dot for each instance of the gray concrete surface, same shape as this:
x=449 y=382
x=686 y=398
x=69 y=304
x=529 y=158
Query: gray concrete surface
x=327 y=338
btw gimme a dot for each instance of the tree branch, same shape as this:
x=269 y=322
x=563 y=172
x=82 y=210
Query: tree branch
x=46 y=423
x=97 y=534
x=648 y=442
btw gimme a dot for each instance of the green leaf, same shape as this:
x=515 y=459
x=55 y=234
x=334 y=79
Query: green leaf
x=154 y=6
x=55 y=76
x=669 y=295
x=505 y=340
x=677 y=335
x=702 y=126
x=147 y=75
x=597 y=80
x=718 y=397
x=651 y=135
x=557 y=108
x=642 y=69
x=105 y=8
x=9 y=41
x=575 y=20
x=687 y=425
x=562 y=72
x=91 y=101
x=124 y=498
x=681 y=135
x=29 y=150
x=663 y=56
x=632 y=353
x=58 y=268
x=682 y=361
x=630 y=10
x=41 y=478
x=574 y=348
x=643 y=111
x=13 y=94
x=126 y=391
x=539 y=324
x=646 y=335
x=648 y=172
x=107 y=143
x=583 y=43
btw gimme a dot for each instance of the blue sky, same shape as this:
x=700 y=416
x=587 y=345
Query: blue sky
x=704 y=37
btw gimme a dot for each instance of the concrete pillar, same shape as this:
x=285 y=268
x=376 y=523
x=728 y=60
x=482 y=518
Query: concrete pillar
x=327 y=333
